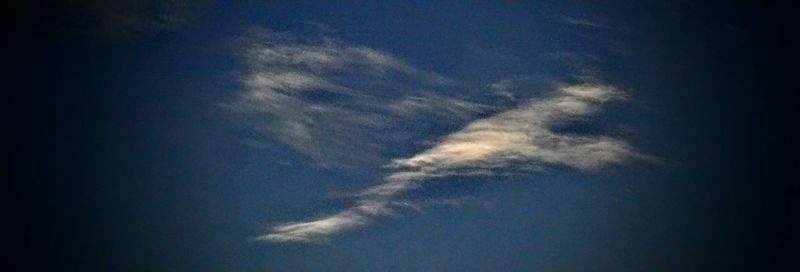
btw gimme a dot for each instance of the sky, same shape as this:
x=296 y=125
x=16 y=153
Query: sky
x=397 y=136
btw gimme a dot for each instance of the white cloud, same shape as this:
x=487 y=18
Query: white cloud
x=517 y=139
x=319 y=96
x=502 y=88
x=523 y=136
x=583 y=22
x=317 y=230
x=443 y=107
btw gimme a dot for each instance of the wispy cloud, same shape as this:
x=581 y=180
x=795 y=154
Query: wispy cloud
x=315 y=230
x=346 y=105
x=502 y=88
x=523 y=135
x=518 y=139
x=584 y=22
x=320 y=96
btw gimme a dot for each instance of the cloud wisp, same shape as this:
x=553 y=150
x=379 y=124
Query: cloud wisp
x=584 y=23
x=518 y=139
x=319 y=96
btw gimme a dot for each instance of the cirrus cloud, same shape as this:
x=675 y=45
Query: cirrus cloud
x=337 y=103
x=518 y=139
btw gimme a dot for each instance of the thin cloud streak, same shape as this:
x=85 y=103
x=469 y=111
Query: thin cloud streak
x=520 y=139
x=584 y=22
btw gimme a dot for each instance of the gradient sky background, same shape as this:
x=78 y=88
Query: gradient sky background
x=131 y=153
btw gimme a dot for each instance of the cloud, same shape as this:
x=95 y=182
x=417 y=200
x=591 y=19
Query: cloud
x=443 y=107
x=584 y=22
x=523 y=136
x=518 y=139
x=502 y=88
x=345 y=106
x=316 y=230
x=337 y=103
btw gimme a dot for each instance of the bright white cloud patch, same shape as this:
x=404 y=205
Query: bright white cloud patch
x=517 y=139
x=522 y=136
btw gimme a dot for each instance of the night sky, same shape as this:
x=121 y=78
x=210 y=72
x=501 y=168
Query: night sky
x=399 y=136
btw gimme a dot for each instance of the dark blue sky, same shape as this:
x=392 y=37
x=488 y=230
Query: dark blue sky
x=134 y=146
